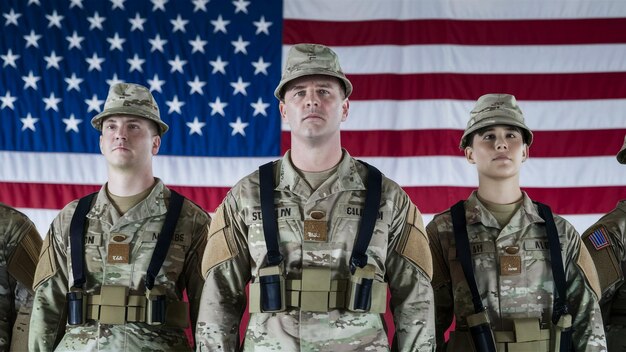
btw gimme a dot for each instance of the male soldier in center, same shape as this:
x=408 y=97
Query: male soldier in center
x=300 y=230
x=113 y=267
x=499 y=257
x=606 y=241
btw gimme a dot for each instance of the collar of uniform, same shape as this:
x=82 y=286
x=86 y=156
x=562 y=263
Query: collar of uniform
x=153 y=205
x=476 y=212
x=348 y=176
x=622 y=205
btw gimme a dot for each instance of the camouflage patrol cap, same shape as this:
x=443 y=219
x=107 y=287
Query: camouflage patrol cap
x=496 y=109
x=130 y=99
x=311 y=59
x=621 y=156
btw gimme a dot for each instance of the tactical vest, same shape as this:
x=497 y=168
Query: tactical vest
x=114 y=304
x=527 y=335
x=271 y=292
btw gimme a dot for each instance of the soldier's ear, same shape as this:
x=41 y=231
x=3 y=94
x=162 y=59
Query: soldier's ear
x=283 y=111
x=525 y=152
x=469 y=155
x=345 y=108
x=156 y=144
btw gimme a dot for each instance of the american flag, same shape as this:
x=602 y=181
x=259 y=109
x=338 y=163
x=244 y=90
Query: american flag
x=417 y=68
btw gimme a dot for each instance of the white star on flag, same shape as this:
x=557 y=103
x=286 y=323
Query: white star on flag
x=7 y=100
x=174 y=105
x=217 y=107
x=73 y=83
x=95 y=21
x=116 y=42
x=260 y=66
x=238 y=127
x=76 y=3
x=195 y=126
x=241 y=6
x=75 y=41
x=196 y=85
x=54 y=20
x=117 y=4
x=197 y=44
x=11 y=17
x=155 y=83
x=94 y=62
x=93 y=104
x=239 y=86
x=31 y=80
x=29 y=122
x=32 y=38
x=137 y=23
x=177 y=64
x=179 y=24
x=259 y=107
x=199 y=5
x=9 y=59
x=157 y=43
x=262 y=26
x=135 y=63
x=220 y=25
x=71 y=124
x=53 y=60
x=158 y=5
x=240 y=46
x=113 y=80
x=218 y=65
x=52 y=102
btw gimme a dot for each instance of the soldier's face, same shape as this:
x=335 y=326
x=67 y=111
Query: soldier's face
x=498 y=152
x=129 y=142
x=314 y=107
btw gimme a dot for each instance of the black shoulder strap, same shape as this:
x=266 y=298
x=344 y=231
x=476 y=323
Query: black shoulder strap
x=77 y=238
x=368 y=219
x=165 y=238
x=459 y=225
x=556 y=260
x=270 y=223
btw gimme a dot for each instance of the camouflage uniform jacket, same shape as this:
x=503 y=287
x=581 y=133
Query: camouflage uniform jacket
x=141 y=226
x=239 y=250
x=524 y=295
x=14 y=295
x=613 y=301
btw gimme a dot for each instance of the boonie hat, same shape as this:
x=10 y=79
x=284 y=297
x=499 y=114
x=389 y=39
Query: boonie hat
x=311 y=59
x=130 y=99
x=621 y=156
x=496 y=109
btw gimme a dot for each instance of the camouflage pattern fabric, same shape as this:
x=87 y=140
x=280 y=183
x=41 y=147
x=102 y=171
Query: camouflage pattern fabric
x=341 y=199
x=613 y=301
x=141 y=226
x=528 y=294
x=15 y=296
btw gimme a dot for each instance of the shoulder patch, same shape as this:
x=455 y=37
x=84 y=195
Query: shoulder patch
x=219 y=247
x=414 y=244
x=589 y=270
x=47 y=265
x=24 y=258
x=609 y=271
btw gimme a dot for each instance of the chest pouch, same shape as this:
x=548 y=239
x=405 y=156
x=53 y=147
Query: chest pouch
x=76 y=307
x=360 y=288
x=272 y=289
x=156 y=306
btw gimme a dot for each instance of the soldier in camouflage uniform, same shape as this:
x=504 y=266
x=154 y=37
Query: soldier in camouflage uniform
x=122 y=228
x=318 y=196
x=20 y=244
x=606 y=241
x=509 y=248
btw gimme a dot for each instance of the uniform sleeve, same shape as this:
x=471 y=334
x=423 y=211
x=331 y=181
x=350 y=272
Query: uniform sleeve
x=226 y=264
x=409 y=270
x=48 y=318
x=581 y=280
x=194 y=280
x=442 y=287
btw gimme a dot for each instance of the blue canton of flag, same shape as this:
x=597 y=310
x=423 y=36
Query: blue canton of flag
x=212 y=66
x=598 y=238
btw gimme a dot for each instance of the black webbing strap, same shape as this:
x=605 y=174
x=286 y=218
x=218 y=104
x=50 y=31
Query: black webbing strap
x=368 y=219
x=77 y=238
x=459 y=225
x=268 y=212
x=165 y=238
x=558 y=272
